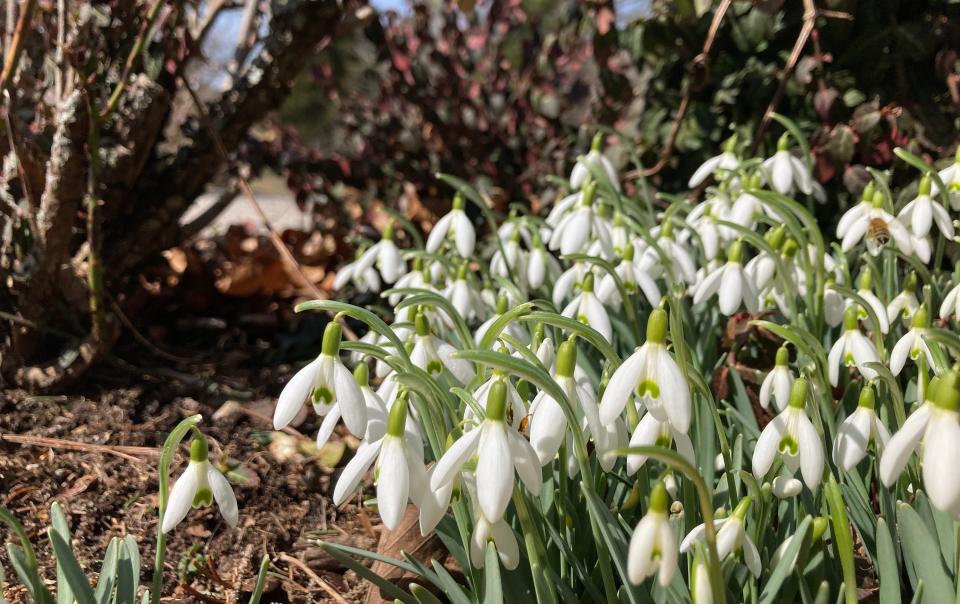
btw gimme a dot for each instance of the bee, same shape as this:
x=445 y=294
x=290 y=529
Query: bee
x=878 y=235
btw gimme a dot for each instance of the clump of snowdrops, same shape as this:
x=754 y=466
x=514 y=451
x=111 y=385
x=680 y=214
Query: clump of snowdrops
x=542 y=389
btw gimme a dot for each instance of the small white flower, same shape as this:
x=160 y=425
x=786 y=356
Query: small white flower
x=376 y=411
x=587 y=308
x=678 y=259
x=935 y=423
x=540 y=265
x=731 y=538
x=654 y=376
x=730 y=283
x=592 y=164
x=366 y=280
x=464 y=297
x=564 y=284
x=866 y=292
x=512 y=258
x=633 y=280
x=784 y=171
x=834 y=304
x=701 y=591
x=851 y=349
x=199 y=485
x=385 y=256
x=581 y=226
x=951 y=179
x=503 y=538
x=912 y=345
x=868 y=218
x=922 y=212
x=500 y=451
x=400 y=475
x=512 y=328
x=905 y=303
x=326 y=383
x=650 y=431
x=951 y=304
x=703 y=219
x=858 y=430
x=457 y=225
x=791 y=435
x=727 y=160
x=777 y=384
x=433 y=354
x=653 y=546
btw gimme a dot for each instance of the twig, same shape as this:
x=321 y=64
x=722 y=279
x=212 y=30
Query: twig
x=131 y=59
x=316 y=578
x=129 y=453
x=247 y=191
x=98 y=315
x=702 y=59
x=16 y=44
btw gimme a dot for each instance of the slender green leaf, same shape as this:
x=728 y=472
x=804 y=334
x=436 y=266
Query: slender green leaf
x=71 y=568
x=492 y=589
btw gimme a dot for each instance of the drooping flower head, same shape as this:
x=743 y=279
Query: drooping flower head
x=777 y=384
x=653 y=546
x=457 y=226
x=791 y=436
x=200 y=485
x=732 y=539
x=858 y=431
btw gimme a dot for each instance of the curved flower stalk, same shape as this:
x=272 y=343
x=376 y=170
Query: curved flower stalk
x=727 y=160
x=653 y=547
x=732 y=539
x=792 y=436
x=868 y=218
x=786 y=172
x=923 y=211
x=457 y=226
x=652 y=374
x=200 y=485
x=905 y=303
x=325 y=383
x=852 y=349
x=912 y=345
x=777 y=384
x=433 y=354
x=587 y=308
x=858 y=431
x=400 y=475
x=500 y=451
x=936 y=426
x=730 y=283
x=385 y=256
x=633 y=280
x=376 y=410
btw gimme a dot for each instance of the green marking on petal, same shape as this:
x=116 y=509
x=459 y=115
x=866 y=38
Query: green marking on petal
x=322 y=396
x=203 y=497
x=648 y=388
x=434 y=367
x=788 y=446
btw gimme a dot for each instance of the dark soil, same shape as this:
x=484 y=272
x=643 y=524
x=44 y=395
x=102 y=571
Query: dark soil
x=284 y=507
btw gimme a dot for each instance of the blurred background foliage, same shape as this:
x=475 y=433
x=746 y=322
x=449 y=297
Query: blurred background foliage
x=507 y=92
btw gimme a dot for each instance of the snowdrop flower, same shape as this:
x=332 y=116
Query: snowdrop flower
x=703 y=218
x=500 y=451
x=587 y=308
x=868 y=218
x=866 y=292
x=784 y=171
x=376 y=410
x=512 y=328
x=385 y=256
x=905 y=303
x=464 y=297
x=951 y=304
x=678 y=261
x=434 y=503
x=540 y=264
x=935 y=424
x=501 y=535
x=730 y=283
x=727 y=160
x=199 y=485
x=515 y=406
x=923 y=211
x=653 y=546
x=399 y=471
x=592 y=164
x=852 y=348
x=650 y=431
x=762 y=268
x=457 y=225
x=858 y=430
x=951 y=179
x=512 y=258
x=326 y=383
x=834 y=304
x=564 y=284
x=364 y=277
x=777 y=384
x=701 y=591
x=581 y=225
x=654 y=376
x=414 y=280
x=731 y=538
x=792 y=436
x=632 y=279
x=912 y=345
x=433 y=354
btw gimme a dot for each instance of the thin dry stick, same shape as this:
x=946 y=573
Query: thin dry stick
x=316 y=578
x=16 y=43
x=247 y=191
x=129 y=453
x=704 y=59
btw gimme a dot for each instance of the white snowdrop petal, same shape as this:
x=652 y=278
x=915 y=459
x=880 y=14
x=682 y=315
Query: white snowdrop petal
x=526 y=462
x=349 y=399
x=902 y=445
x=494 y=471
x=811 y=452
x=621 y=386
x=294 y=395
x=223 y=495
x=393 y=482
x=640 y=563
x=941 y=449
x=768 y=445
x=354 y=470
x=181 y=498
x=450 y=463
